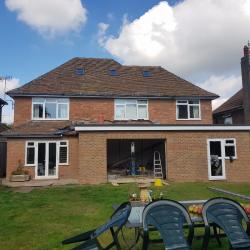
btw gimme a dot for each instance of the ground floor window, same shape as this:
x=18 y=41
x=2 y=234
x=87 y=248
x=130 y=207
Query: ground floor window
x=45 y=156
x=218 y=151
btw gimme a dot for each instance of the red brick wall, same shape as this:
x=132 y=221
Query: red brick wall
x=16 y=152
x=162 y=111
x=22 y=111
x=81 y=108
x=186 y=154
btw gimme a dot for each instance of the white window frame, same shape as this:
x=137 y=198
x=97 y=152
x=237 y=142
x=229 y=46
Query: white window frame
x=49 y=100
x=228 y=123
x=63 y=146
x=223 y=156
x=57 y=153
x=26 y=149
x=125 y=103
x=230 y=144
x=188 y=109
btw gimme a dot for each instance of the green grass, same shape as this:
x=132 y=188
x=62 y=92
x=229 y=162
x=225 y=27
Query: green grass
x=42 y=218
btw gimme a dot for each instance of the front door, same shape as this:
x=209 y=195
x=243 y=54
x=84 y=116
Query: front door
x=46 y=165
x=216 y=159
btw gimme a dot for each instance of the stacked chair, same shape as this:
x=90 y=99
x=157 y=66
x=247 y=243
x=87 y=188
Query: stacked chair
x=228 y=215
x=169 y=218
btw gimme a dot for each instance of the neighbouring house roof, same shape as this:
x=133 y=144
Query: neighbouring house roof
x=233 y=103
x=2 y=102
x=3 y=127
x=96 y=81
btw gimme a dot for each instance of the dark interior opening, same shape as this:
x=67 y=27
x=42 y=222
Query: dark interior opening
x=123 y=159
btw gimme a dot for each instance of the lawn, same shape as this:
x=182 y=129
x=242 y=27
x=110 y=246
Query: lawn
x=42 y=218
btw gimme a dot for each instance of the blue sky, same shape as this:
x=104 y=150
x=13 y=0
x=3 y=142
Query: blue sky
x=26 y=54
x=201 y=41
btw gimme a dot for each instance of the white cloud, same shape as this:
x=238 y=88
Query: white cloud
x=10 y=84
x=223 y=86
x=48 y=17
x=101 y=35
x=192 y=37
x=8 y=113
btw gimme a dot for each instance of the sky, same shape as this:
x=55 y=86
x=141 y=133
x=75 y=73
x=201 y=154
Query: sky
x=201 y=41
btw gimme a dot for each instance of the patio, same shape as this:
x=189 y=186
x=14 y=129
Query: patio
x=65 y=211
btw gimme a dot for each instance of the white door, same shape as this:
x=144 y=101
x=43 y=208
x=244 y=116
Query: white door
x=216 y=159
x=46 y=160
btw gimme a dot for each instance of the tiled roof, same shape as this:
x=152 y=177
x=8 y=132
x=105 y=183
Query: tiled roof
x=235 y=102
x=40 y=129
x=57 y=128
x=97 y=82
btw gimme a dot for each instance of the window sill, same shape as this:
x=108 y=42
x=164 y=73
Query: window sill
x=228 y=158
x=131 y=119
x=37 y=119
x=217 y=179
x=190 y=119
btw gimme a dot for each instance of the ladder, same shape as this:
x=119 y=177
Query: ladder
x=157 y=165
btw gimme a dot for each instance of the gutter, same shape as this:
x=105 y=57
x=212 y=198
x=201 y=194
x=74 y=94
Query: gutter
x=108 y=96
x=160 y=128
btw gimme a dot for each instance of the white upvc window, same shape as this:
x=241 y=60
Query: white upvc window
x=131 y=109
x=30 y=153
x=188 y=110
x=50 y=108
x=230 y=148
x=228 y=120
x=63 y=153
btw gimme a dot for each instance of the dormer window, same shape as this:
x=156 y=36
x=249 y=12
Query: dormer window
x=113 y=72
x=146 y=73
x=79 y=71
x=50 y=109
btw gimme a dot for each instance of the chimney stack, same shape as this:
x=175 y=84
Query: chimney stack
x=245 y=73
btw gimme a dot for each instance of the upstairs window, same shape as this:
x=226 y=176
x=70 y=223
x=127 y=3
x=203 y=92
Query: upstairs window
x=50 y=109
x=188 y=110
x=228 y=120
x=131 y=109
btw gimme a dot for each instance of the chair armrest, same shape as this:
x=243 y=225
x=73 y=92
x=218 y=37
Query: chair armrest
x=78 y=238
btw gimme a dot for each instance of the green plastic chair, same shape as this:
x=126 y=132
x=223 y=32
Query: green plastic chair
x=89 y=239
x=169 y=218
x=228 y=215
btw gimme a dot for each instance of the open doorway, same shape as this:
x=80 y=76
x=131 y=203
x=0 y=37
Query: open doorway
x=126 y=157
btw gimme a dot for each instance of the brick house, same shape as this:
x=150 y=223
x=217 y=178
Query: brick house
x=236 y=110
x=94 y=119
x=2 y=104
